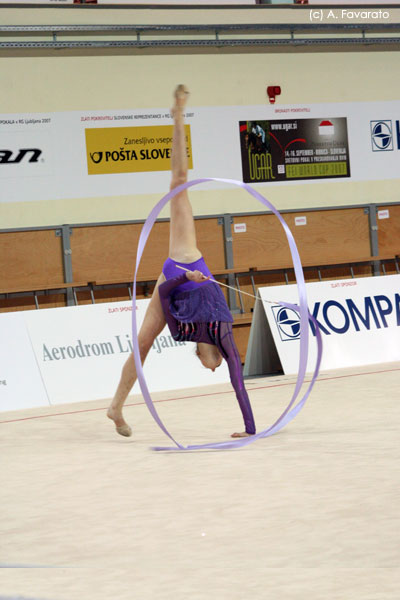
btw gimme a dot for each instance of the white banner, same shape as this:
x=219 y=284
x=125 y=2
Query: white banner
x=359 y=321
x=81 y=351
x=21 y=385
x=95 y=154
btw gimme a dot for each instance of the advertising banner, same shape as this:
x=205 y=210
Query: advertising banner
x=359 y=320
x=21 y=385
x=289 y=149
x=81 y=350
x=131 y=149
x=29 y=151
x=116 y=152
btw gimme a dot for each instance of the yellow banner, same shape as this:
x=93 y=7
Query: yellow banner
x=131 y=149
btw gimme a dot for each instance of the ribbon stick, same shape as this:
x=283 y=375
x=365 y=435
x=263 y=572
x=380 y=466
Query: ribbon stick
x=233 y=288
x=292 y=409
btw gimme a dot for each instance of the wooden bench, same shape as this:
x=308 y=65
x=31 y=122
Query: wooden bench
x=252 y=271
x=144 y=280
x=55 y=288
x=104 y=284
x=374 y=262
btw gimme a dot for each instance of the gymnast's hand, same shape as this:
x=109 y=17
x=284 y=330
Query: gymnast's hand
x=196 y=276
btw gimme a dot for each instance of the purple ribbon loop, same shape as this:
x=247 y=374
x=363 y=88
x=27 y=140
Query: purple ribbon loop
x=291 y=410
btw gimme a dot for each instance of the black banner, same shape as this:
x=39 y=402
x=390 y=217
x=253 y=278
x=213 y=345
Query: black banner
x=286 y=150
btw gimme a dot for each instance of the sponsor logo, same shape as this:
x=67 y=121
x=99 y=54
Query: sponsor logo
x=381 y=136
x=96 y=157
x=111 y=150
x=288 y=323
x=9 y=157
x=120 y=345
x=371 y=312
x=334 y=317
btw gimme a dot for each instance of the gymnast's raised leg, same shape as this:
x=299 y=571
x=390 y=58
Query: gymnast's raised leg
x=182 y=248
x=183 y=243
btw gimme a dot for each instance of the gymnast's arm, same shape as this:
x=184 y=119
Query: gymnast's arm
x=227 y=347
x=164 y=290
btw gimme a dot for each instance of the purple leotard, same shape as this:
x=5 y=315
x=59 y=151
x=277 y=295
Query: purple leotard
x=201 y=314
x=170 y=271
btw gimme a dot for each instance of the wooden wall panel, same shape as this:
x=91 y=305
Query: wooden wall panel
x=329 y=235
x=389 y=231
x=109 y=251
x=210 y=240
x=30 y=258
x=262 y=243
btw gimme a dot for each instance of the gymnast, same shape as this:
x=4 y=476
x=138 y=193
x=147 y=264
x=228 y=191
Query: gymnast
x=194 y=307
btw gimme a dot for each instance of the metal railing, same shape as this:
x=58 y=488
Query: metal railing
x=204 y=36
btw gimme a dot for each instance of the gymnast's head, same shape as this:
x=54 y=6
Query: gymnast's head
x=209 y=355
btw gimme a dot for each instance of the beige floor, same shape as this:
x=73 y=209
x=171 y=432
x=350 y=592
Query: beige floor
x=309 y=514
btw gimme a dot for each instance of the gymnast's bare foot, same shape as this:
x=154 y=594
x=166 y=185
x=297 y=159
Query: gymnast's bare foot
x=242 y=434
x=121 y=426
x=181 y=95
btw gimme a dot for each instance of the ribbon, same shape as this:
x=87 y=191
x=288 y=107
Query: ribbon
x=291 y=410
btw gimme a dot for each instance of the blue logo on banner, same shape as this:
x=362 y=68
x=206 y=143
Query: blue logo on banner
x=334 y=317
x=288 y=323
x=381 y=136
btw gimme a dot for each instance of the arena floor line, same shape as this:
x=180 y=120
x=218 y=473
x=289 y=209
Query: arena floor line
x=308 y=514
x=155 y=400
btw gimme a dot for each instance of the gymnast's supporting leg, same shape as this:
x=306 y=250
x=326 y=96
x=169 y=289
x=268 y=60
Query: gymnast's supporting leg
x=153 y=324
